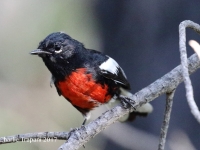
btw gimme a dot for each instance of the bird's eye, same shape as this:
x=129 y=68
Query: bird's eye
x=57 y=48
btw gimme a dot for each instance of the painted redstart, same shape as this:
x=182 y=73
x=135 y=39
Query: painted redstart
x=85 y=77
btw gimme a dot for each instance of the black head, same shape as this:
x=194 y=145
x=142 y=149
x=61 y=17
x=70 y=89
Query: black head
x=55 y=46
x=58 y=51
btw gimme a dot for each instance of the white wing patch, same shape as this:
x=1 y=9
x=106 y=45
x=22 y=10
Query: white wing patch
x=110 y=65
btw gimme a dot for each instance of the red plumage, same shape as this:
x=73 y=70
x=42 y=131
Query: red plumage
x=82 y=91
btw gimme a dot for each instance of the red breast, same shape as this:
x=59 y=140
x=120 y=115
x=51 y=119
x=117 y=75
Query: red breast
x=81 y=90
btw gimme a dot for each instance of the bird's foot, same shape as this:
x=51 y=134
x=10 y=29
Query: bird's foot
x=127 y=102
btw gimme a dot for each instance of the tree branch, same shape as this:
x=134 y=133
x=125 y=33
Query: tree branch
x=77 y=137
x=166 y=84
x=165 y=124
x=182 y=47
x=34 y=136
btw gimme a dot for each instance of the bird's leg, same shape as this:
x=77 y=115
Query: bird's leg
x=86 y=117
x=84 y=121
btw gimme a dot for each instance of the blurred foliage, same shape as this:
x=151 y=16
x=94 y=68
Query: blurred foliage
x=28 y=104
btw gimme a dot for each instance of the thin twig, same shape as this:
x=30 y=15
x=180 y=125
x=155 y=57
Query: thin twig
x=165 y=124
x=182 y=47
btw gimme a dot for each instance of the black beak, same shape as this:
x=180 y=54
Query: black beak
x=39 y=51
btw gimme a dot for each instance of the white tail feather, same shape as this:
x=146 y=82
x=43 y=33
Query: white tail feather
x=146 y=108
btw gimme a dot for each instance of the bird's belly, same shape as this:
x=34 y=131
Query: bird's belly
x=82 y=91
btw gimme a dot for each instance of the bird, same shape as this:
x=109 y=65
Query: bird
x=86 y=78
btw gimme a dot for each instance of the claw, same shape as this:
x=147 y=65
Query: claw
x=127 y=102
